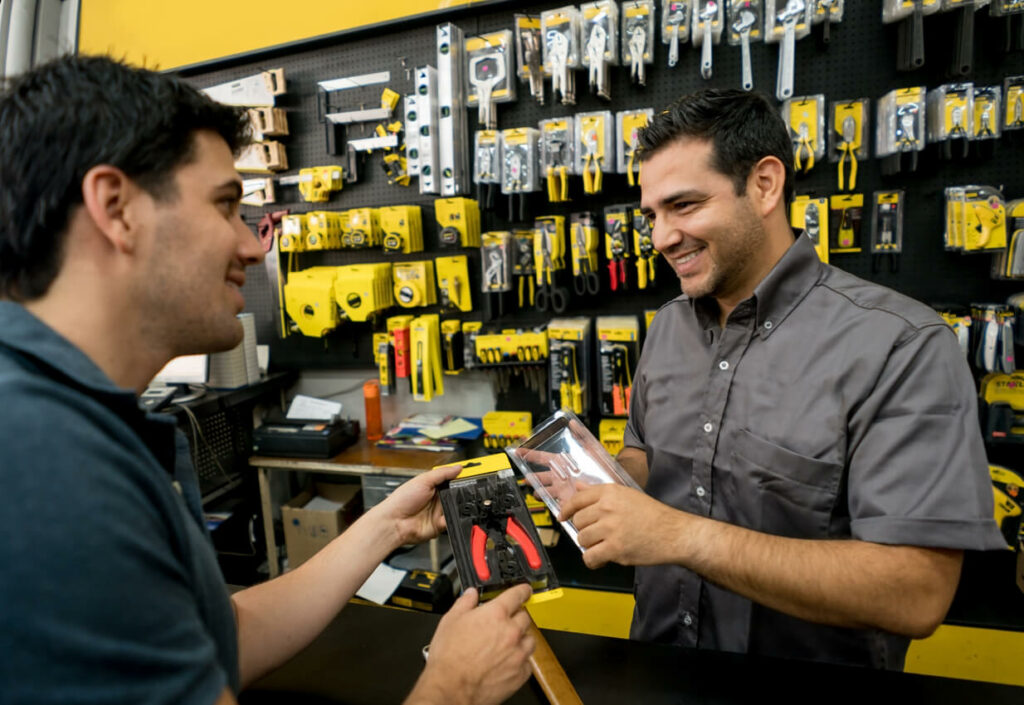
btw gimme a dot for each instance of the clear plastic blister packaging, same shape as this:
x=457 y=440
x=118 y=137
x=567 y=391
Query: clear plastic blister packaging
x=675 y=27
x=560 y=456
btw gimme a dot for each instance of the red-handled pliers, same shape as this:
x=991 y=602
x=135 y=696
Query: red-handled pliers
x=512 y=529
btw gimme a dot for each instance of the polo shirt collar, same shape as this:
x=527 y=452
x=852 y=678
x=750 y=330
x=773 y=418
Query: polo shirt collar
x=20 y=330
x=790 y=280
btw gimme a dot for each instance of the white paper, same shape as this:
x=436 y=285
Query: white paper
x=319 y=504
x=381 y=584
x=305 y=407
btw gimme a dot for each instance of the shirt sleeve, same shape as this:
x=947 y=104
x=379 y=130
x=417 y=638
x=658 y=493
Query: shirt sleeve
x=918 y=474
x=97 y=604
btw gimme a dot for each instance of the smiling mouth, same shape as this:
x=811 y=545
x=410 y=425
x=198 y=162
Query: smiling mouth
x=689 y=257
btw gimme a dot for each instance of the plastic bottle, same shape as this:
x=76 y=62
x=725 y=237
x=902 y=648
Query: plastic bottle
x=371 y=398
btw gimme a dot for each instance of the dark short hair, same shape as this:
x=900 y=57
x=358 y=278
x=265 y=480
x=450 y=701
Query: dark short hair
x=743 y=128
x=65 y=117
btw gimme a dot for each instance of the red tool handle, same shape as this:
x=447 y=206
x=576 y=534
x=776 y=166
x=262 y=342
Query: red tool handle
x=478 y=546
x=612 y=276
x=514 y=529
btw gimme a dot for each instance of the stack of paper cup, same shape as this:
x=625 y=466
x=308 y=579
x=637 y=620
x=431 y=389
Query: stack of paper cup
x=230 y=369
x=252 y=364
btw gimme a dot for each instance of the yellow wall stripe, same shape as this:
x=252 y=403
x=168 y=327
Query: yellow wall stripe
x=167 y=35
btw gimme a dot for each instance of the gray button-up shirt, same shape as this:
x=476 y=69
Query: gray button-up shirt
x=827 y=407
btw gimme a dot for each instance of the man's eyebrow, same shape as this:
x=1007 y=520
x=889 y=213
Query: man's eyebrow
x=684 y=195
x=234 y=186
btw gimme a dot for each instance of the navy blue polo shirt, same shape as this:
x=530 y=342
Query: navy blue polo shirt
x=110 y=590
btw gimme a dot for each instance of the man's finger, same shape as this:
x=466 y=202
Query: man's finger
x=582 y=498
x=512 y=599
x=438 y=475
x=467 y=601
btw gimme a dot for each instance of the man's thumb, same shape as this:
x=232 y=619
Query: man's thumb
x=467 y=601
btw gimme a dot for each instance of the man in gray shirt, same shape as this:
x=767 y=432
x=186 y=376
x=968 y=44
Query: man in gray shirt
x=807 y=441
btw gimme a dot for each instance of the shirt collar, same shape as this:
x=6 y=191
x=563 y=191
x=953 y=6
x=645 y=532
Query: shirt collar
x=779 y=292
x=20 y=330
x=790 y=280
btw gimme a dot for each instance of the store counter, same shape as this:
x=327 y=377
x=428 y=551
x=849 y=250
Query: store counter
x=371 y=655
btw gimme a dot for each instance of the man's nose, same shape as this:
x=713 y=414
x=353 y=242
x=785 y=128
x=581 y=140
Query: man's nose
x=250 y=249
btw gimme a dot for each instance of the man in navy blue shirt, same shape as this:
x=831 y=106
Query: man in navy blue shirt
x=122 y=247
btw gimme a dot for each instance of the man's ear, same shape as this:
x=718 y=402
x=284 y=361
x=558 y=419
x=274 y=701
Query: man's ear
x=766 y=185
x=111 y=200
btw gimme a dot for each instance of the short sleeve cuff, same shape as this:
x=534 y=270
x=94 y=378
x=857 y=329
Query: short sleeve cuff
x=977 y=535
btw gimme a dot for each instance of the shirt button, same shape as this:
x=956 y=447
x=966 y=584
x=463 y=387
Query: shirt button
x=700 y=491
x=768 y=325
x=708 y=427
x=687 y=619
x=723 y=365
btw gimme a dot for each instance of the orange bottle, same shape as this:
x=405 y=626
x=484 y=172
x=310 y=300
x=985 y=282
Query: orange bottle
x=371 y=399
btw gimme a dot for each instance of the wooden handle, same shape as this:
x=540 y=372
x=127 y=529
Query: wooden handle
x=549 y=672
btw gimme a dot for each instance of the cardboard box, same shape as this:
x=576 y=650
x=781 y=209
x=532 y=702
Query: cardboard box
x=306 y=531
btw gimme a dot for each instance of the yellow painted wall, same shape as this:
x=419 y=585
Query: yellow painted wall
x=164 y=35
x=951 y=652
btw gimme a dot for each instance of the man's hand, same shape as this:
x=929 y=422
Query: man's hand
x=624 y=525
x=415 y=508
x=479 y=655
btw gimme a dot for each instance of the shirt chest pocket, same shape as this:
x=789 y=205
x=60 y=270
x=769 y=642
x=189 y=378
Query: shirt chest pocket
x=789 y=494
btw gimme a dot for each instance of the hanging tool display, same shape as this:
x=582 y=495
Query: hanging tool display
x=638 y=38
x=452 y=346
x=1013 y=110
x=675 y=26
x=708 y=20
x=293 y=233
x=961 y=325
x=805 y=117
x=962 y=56
x=643 y=246
x=987 y=108
x=384 y=357
x=323 y=230
x=489 y=70
x=848 y=138
x=317 y=183
x=584 y=233
x=549 y=259
x=523 y=267
x=309 y=301
x=810 y=215
x=519 y=149
x=786 y=22
x=363 y=291
x=505 y=428
x=901 y=128
x=887 y=230
x=414 y=284
x=402 y=227
x=600 y=38
x=561 y=31
x=258 y=192
x=826 y=13
x=595 y=149
x=269 y=227
x=458 y=222
x=745 y=22
x=950 y=117
x=571 y=343
x=513 y=353
x=910 y=46
x=619 y=350
x=557 y=156
x=493 y=538
x=425 y=360
x=530 y=55
x=612 y=434
x=628 y=124
x=422 y=119
x=1013 y=40
x=975 y=219
x=496 y=256
x=486 y=166
x=992 y=344
x=1010 y=263
x=361 y=228
x=453 y=282
x=453 y=122
x=1002 y=405
x=617 y=224
x=398 y=329
x=1006 y=488
x=846 y=214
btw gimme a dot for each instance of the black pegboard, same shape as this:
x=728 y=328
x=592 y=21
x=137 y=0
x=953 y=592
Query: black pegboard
x=859 y=62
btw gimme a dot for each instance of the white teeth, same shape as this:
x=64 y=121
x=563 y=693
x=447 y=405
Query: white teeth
x=689 y=257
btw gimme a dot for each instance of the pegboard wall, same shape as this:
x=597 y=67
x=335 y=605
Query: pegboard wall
x=859 y=62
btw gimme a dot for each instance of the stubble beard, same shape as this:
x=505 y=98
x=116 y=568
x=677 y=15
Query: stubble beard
x=735 y=247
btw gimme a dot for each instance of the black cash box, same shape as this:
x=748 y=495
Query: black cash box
x=304 y=438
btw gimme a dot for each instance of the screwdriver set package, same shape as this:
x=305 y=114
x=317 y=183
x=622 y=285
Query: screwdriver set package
x=561 y=455
x=493 y=537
